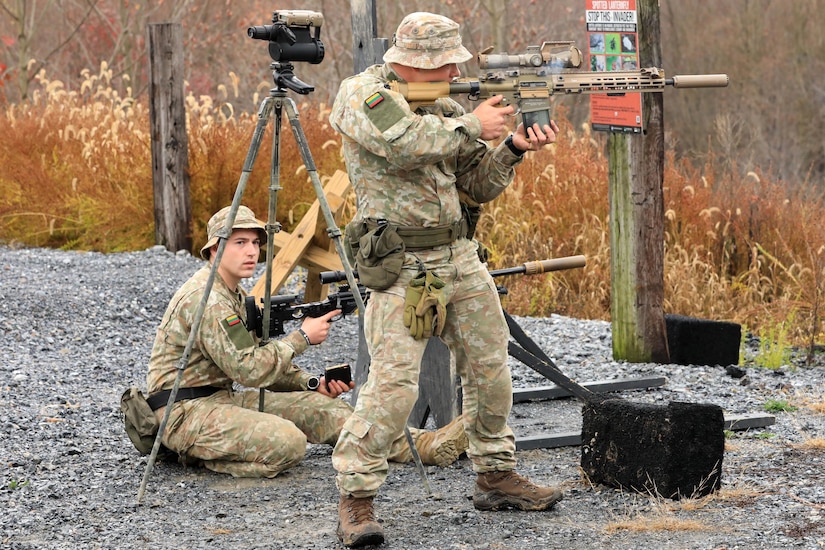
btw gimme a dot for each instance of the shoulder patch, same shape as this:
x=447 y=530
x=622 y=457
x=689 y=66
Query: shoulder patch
x=237 y=332
x=383 y=111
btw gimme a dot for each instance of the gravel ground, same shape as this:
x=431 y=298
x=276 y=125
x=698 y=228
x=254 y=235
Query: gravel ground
x=77 y=330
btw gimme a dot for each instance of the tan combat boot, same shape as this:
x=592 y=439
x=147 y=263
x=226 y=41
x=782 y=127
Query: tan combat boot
x=501 y=490
x=356 y=522
x=443 y=446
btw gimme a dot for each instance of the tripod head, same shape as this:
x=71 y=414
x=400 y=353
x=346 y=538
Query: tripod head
x=284 y=77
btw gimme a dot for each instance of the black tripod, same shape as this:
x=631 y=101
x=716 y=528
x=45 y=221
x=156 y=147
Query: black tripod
x=271 y=107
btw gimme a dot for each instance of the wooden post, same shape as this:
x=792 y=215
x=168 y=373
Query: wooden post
x=170 y=144
x=366 y=48
x=636 y=178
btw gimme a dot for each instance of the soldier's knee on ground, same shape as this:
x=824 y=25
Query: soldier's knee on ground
x=283 y=449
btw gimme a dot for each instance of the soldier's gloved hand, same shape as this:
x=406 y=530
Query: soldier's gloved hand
x=432 y=307
x=414 y=292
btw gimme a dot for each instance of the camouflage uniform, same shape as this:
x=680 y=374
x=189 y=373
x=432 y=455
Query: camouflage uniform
x=225 y=430
x=407 y=168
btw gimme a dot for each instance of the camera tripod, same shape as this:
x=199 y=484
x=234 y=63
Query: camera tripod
x=272 y=107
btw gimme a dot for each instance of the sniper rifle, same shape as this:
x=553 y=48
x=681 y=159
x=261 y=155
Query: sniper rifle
x=528 y=268
x=528 y=81
x=285 y=307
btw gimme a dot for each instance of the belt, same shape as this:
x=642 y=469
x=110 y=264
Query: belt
x=161 y=398
x=427 y=237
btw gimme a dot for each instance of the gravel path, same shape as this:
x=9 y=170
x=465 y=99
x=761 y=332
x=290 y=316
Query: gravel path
x=77 y=330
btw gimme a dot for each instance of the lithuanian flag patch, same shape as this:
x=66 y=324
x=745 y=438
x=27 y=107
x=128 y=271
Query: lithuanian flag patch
x=233 y=320
x=373 y=100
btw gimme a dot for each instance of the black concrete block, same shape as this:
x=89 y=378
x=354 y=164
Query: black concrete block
x=694 y=341
x=672 y=450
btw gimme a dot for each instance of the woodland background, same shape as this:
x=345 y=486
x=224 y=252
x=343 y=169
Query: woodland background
x=745 y=239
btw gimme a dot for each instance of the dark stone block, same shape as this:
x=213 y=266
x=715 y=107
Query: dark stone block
x=672 y=450
x=694 y=341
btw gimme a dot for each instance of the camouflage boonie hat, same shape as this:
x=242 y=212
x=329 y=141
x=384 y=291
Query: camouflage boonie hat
x=244 y=219
x=427 y=41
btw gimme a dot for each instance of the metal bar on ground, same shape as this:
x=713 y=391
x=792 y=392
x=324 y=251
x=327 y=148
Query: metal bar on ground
x=521 y=395
x=573 y=439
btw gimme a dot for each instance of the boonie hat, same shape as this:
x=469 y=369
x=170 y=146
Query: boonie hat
x=244 y=219
x=427 y=41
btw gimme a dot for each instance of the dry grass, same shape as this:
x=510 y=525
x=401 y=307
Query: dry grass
x=664 y=515
x=813 y=400
x=656 y=523
x=740 y=245
x=813 y=444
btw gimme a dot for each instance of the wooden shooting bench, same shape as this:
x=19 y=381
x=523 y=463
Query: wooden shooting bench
x=309 y=245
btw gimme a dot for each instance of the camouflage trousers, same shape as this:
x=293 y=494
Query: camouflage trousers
x=228 y=434
x=476 y=334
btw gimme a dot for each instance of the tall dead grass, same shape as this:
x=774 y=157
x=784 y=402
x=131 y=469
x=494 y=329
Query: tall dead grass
x=75 y=173
x=75 y=166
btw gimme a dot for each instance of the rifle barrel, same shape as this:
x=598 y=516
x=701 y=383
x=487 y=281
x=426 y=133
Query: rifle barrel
x=699 y=81
x=542 y=266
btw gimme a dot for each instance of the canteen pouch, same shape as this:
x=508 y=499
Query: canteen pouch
x=379 y=256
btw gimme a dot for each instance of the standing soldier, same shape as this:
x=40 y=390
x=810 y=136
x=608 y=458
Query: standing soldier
x=410 y=245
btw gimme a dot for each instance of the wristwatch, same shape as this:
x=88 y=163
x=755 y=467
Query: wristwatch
x=313 y=383
x=513 y=149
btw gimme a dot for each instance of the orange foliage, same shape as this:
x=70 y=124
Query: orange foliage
x=75 y=172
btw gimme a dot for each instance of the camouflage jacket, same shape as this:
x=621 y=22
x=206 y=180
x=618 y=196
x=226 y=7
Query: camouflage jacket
x=408 y=167
x=224 y=351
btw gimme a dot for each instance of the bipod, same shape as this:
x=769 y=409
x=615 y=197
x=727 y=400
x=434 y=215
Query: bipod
x=524 y=349
x=271 y=108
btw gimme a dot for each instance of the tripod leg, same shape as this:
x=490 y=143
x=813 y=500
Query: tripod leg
x=223 y=235
x=272 y=226
x=335 y=235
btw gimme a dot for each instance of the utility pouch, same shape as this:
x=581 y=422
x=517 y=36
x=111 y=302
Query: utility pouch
x=139 y=420
x=379 y=257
